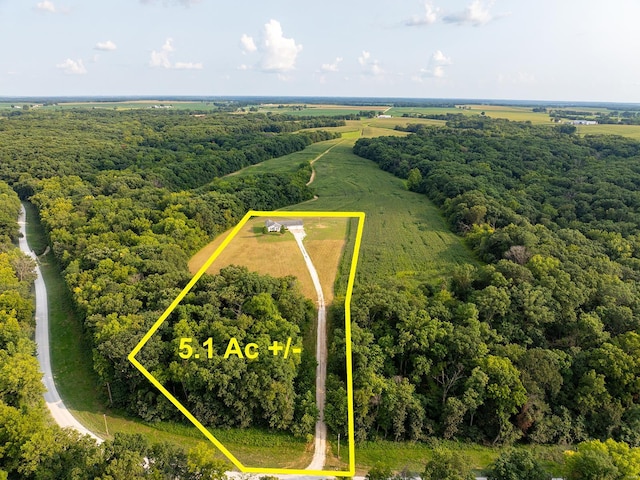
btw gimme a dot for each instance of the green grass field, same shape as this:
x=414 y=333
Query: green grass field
x=288 y=163
x=319 y=110
x=405 y=236
x=413 y=456
x=630 y=131
x=137 y=104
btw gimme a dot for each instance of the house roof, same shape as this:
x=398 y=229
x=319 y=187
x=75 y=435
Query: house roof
x=286 y=223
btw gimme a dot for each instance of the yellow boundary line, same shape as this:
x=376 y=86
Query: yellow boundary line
x=192 y=282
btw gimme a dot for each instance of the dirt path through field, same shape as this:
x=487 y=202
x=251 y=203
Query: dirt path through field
x=56 y=406
x=313 y=170
x=319 y=453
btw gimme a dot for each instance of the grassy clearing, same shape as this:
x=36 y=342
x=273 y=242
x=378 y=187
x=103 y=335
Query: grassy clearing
x=272 y=254
x=414 y=456
x=377 y=127
x=405 y=235
x=391 y=123
x=318 y=110
x=135 y=104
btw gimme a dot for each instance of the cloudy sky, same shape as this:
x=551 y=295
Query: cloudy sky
x=583 y=50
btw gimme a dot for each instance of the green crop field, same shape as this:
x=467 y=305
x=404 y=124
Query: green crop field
x=404 y=233
x=631 y=131
x=131 y=105
x=518 y=114
x=404 y=236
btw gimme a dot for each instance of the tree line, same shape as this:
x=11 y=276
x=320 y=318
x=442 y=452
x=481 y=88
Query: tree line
x=31 y=447
x=172 y=149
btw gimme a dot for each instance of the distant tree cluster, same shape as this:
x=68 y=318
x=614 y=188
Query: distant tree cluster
x=611 y=117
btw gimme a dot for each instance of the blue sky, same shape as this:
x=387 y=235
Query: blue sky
x=582 y=50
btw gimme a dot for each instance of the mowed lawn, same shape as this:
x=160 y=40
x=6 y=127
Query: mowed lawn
x=278 y=255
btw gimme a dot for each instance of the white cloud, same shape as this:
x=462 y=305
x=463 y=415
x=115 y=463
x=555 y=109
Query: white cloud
x=248 y=45
x=428 y=17
x=369 y=65
x=278 y=53
x=72 y=67
x=436 y=67
x=46 y=6
x=440 y=58
x=162 y=58
x=107 y=46
x=476 y=14
x=331 y=67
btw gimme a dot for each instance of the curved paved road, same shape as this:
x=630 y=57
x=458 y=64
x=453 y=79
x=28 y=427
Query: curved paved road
x=58 y=410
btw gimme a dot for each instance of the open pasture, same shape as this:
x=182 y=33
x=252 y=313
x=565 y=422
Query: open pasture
x=404 y=233
x=135 y=104
x=288 y=163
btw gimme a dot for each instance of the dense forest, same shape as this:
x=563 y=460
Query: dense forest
x=123 y=241
x=176 y=150
x=539 y=342
x=31 y=447
x=542 y=342
x=122 y=226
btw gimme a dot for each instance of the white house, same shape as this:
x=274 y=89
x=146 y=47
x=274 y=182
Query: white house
x=273 y=226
